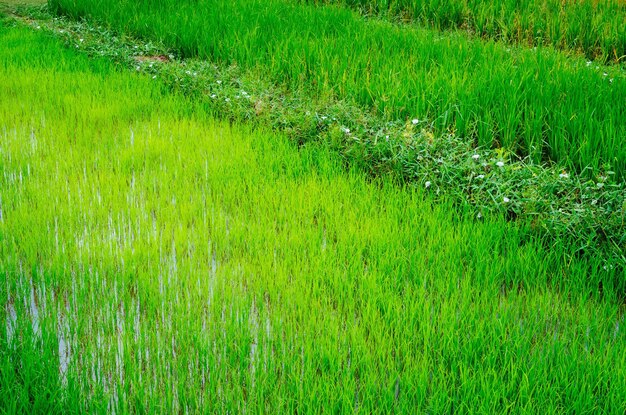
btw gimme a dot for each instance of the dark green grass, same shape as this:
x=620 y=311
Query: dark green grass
x=154 y=260
x=597 y=28
x=534 y=102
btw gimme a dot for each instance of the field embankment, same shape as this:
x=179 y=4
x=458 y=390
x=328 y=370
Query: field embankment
x=156 y=260
x=535 y=102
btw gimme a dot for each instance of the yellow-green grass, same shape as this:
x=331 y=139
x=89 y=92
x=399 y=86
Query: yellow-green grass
x=595 y=28
x=154 y=260
x=533 y=102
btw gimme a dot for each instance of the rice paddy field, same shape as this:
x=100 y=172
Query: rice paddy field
x=169 y=243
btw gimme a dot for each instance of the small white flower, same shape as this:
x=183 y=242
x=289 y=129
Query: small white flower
x=226 y=99
x=500 y=164
x=611 y=80
x=415 y=121
x=213 y=96
x=480 y=176
x=38 y=27
x=195 y=74
x=506 y=199
x=476 y=156
x=81 y=40
x=139 y=68
x=387 y=137
x=323 y=117
x=480 y=215
x=154 y=77
x=345 y=130
x=589 y=63
x=605 y=74
x=427 y=184
x=594 y=202
x=187 y=72
x=600 y=185
x=219 y=82
x=563 y=175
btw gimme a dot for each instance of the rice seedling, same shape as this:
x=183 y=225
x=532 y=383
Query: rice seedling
x=595 y=28
x=155 y=260
x=535 y=102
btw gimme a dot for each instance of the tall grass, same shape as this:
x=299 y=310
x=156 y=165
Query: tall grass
x=595 y=28
x=154 y=260
x=535 y=102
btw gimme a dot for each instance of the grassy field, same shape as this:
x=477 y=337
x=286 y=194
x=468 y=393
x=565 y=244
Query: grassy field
x=595 y=28
x=536 y=102
x=155 y=260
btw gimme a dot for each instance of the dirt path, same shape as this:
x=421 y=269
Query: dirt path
x=10 y=5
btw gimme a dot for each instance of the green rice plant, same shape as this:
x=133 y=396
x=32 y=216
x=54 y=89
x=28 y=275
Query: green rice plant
x=585 y=210
x=594 y=28
x=535 y=102
x=155 y=260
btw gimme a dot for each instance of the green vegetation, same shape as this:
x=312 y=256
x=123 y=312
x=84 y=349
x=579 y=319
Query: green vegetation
x=155 y=260
x=586 y=212
x=538 y=102
x=596 y=28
